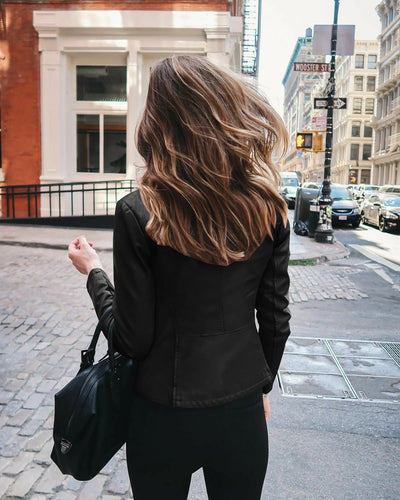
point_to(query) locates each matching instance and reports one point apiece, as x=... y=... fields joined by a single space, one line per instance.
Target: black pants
x=166 y=445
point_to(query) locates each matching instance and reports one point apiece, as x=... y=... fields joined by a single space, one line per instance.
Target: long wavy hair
x=206 y=137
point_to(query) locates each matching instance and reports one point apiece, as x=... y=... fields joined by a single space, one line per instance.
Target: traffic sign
x=322 y=102
x=311 y=67
x=318 y=122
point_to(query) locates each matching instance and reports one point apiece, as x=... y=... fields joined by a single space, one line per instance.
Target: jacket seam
x=227 y=332
x=260 y=383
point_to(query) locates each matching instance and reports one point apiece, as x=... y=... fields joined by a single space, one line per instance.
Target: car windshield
x=340 y=193
x=290 y=182
x=392 y=201
x=371 y=188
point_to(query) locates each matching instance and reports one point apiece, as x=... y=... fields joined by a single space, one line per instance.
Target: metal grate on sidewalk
x=353 y=370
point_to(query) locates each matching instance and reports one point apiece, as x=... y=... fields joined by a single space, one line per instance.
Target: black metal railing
x=63 y=199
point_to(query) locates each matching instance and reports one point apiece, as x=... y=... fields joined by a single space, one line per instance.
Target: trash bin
x=313 y=217
x=302 y=207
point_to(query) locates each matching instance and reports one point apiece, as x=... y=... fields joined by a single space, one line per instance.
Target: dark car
x=289 y=194
x=382 y=210
x=345 y=209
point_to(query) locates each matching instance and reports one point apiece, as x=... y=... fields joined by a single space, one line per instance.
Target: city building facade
x=386 y=152
x=74 y=75
x=356 y=78
x=298 y=86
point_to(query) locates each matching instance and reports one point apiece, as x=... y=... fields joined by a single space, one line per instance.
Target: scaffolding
x=251 y=34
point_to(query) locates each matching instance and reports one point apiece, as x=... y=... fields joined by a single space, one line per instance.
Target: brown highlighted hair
x=206 y=137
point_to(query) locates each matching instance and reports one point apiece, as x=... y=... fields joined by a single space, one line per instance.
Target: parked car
x=363 y=201
x=352 y=187
x=289 y=194
x=389 y=188
x=362 y=191
x=382 y=210
x=311 y=185
x=345 y=209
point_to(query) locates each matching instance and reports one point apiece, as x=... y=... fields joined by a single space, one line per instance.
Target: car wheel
x=355 y=224
x=382 y=224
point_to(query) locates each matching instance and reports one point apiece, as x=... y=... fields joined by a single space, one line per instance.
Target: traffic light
x=317 y=142
x=304 y=140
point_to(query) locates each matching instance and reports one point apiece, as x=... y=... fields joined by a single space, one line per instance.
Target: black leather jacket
x=191 y=325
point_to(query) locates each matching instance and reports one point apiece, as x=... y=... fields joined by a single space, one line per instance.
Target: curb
x=343 y=253
x=54 y=246
x=308 y=261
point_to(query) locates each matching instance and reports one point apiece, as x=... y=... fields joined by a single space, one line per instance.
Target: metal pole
x=324 y=231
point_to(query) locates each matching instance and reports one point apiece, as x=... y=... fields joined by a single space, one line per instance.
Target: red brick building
x=73 y=78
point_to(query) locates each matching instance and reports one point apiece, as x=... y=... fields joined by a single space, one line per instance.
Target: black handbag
x=92 y=412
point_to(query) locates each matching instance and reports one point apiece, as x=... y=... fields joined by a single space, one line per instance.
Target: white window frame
x=99 y=108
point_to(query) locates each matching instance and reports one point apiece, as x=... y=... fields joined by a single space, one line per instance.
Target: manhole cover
x=341 y=369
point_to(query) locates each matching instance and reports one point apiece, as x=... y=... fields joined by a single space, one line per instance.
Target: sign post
x=324 y=231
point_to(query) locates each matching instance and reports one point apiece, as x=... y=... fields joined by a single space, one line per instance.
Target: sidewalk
x=302 y=248
x=320 y=448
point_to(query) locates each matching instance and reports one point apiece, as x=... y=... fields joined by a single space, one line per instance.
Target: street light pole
x=324 y=231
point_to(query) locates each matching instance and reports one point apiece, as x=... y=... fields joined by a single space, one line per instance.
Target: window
x=354 y=149
x=357 y=105
x=358 y=83
x=371 y=61
x=88 y=140
x=101 y=107
x=101 y=143
x=367 y=131
x=355 y=129
x=369 y=106
x=366 y=151
x=359 y=61
x=371 y=83
x=101 y=83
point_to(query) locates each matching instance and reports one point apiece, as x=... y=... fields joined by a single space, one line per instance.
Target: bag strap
x=87 y=355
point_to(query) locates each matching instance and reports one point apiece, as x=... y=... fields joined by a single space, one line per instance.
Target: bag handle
x=87 y=355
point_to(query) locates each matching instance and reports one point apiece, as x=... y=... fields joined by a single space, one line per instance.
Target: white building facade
x=386 y=154
x=356 y=78
x=94 y=70
x=297 y=99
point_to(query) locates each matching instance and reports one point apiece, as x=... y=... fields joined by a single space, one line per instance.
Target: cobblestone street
x=46 y=318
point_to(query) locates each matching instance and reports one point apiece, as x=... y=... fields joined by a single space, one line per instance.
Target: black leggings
x=166 y=445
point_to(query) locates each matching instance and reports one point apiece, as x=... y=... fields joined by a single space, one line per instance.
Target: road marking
x=380 y=272
x=363 y=249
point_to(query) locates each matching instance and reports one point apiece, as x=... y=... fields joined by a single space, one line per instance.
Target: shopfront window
x=101 y=143
x=101 y=107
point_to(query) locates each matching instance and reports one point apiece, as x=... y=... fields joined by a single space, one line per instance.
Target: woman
x=198 y=248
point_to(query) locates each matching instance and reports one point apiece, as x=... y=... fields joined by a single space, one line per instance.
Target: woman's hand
x=83 y=256
x=267 y=407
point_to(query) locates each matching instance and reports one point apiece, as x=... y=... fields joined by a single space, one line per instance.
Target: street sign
x=318 y=122
x=311 y=67
x=322 y=40
x=322 y=102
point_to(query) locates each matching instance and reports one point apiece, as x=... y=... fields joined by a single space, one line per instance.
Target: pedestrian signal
x=304 y=140
x=317 y=142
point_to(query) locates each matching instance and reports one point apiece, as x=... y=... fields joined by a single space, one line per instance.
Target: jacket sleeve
x=272 y=304
x=133 y=298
